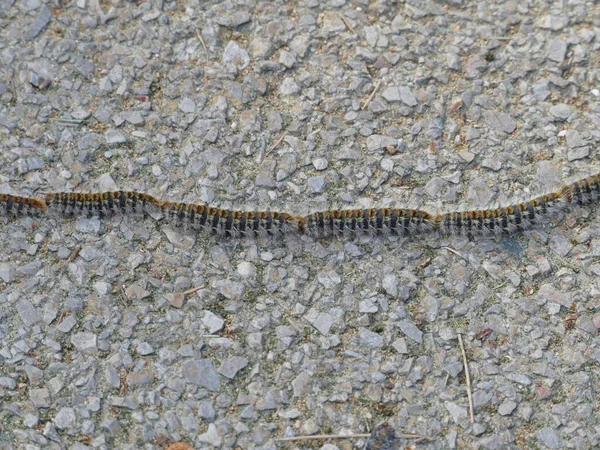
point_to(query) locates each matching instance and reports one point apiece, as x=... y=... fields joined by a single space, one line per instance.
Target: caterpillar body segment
x=101 y=204
x=14 y=205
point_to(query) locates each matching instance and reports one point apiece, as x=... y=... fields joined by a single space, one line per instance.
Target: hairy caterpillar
x=231 y=222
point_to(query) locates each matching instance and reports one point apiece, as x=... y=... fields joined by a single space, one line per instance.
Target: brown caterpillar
x=232 y=223
x=13 y=205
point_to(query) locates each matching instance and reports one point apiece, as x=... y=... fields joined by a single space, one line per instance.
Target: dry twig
x=467 y=377
x=368 y=100
x=274 y=146
x=350 y=27
x=417 y=437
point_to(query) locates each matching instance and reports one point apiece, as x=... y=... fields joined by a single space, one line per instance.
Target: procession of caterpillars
x=229 y=222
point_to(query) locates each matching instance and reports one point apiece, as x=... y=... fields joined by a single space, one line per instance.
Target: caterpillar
x=232 y=223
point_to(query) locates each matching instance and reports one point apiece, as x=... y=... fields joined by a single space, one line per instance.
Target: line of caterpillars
x=228 y=222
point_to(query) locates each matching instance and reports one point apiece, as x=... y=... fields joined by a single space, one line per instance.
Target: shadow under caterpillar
x=231 y=222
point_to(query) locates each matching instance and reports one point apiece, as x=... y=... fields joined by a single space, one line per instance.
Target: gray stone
x=213 y=322
x=400 y=93
x=560 y=244
x=302 y=385
x=40 y=397
x=573 y=154
x=201 y=372
x=550 y=438
x=67 y=324
x=507 y=407
x=411 y=331
x=390 y=285
x=376 y=142
x=28 y=313
x=236 y=55
x=561 y=111
x=65 y=418
x=41 y=22
x=317 y=184
x=7 y=272
x=89 y=225
x=232 y=290
x=322 y=322
x=554 y=23
x=113 y=136
x=84 y=342
x=246 y=269
x=458 y=413
x=574 y=138
x=557 y=50
x=500 y=121
x=8 y=383
x=144 y=349
x=231 y=366
x=211 y=436
x=370 y=339
x=320 y=163
x=289 y=87
x=187 y=105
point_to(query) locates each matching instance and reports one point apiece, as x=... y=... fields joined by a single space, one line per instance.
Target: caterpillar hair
x=338 y=222
x=13 y=205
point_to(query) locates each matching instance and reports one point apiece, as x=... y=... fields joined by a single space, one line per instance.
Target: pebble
x=7 y=272
x=500 y=121
x=370 y=339
x=65 y=418
x=231 y=366
x=557 y=50
x=317 y=184
x=84 y=342
x=550 y=438
x=411 y=331
x=289 y=87
x=28 y=313
x=236 y=55
x=458 y=413
x=211 y=436
x=377 y=142
x=201 y=372
x=400 y=94
x=213 y=322
x=561 y=111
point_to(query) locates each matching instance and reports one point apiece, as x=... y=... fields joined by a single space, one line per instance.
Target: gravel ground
x=298 y=106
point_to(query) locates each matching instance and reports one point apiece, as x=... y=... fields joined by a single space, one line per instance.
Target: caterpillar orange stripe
x=340 y=222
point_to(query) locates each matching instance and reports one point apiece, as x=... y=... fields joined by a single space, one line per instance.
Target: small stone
x=65 y=418
x=317 y=184
x=302 y=385
x=144 y=349
x=322 y=322
x=229 y=289
x=246 y=269
x=400 y=93
x=40 y=397
x=376 y=142
x=289 y=87
x=453 y=61
x=236 y=55
x=400 y=346
x=113 y=136
x=28 y=313
x=176 y=299
x=573 y=154
x=411 y=331
x=211 y=436
x=370 y=339
x=550 y=438
x=201 y=372
x=213 y=322
x=557 y=50
x=554 y=23
x=561 y=111
x=320 y=163
x=136 y=293
x=507 y=407
x=67 y=324
x=574 y=138
x=105 y=182
x=42 y=20
x=560 y=244
x=8 y=383
x=332 y=23
x=287 y=59
x=87 y=225
x=390 y=285
x=187 y=105
x=7 y=272
x=231 y=366
x=84 y=342
x=458 y=413
x=500 y=121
